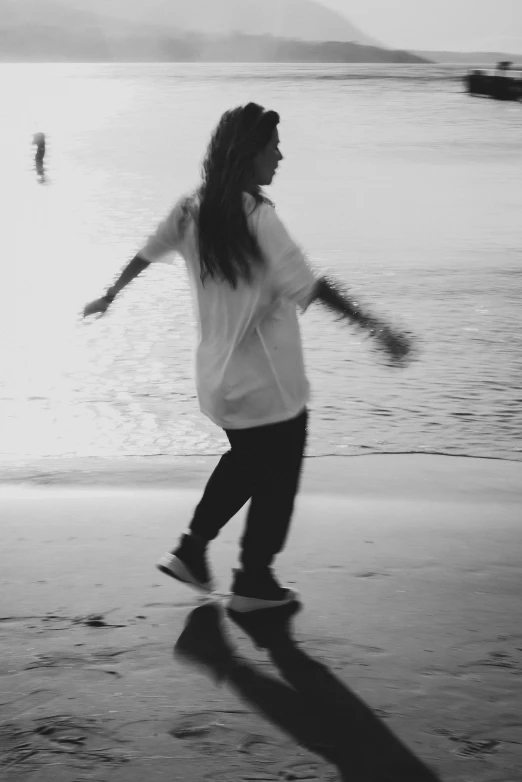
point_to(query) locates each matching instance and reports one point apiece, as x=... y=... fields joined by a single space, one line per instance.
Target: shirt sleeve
x=165 y=240
x=290 y=273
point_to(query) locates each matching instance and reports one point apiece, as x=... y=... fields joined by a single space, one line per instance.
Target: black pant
x=263 y=465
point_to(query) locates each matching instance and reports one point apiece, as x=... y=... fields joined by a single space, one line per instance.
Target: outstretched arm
x=162 y=242
x=294 y=278
x=101 y=305
x=334 y=297
x=133 y=268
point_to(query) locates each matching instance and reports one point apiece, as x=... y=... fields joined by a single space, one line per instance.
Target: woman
x=247 y=277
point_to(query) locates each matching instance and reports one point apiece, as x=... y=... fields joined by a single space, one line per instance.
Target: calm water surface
x=393 y=179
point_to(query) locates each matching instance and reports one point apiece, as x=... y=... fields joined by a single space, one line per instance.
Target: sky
x=485 y=25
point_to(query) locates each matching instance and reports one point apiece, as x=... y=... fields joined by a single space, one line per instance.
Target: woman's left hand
x=399 y=345
x=98 y=305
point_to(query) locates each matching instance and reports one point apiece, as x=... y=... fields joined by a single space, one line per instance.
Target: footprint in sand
x=100 y=662
x=310 y=772
x=497 y=659
x=216 y=734
x=204 y=740
x=510 y=637
x=369 y=649
x=201 y=726
x=257 y=745
x=477 y=749
x=302 y=771
x=7 y=620
x=22 y=704
x=93 y=620
x=370 y=574
x=80 y=743
x=470 y=748
x=57 y=622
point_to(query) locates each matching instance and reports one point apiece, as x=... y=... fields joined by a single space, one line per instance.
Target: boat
x=499 y=84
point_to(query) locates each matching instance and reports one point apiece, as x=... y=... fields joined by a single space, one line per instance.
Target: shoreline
x=437 y=476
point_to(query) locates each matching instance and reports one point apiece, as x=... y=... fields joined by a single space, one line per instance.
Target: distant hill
x=304 y=19
x=471 y=58
x=250 y=48
x=47 y=31
x=40 y=43
x=296 y=19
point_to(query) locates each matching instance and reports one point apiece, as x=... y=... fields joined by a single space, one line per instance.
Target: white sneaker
x=258 y=591
x=188 y=564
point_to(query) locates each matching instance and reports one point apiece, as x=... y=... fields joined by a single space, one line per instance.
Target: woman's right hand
x=98 y=305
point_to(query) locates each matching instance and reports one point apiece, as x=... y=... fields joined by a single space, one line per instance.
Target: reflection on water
x=393 y=178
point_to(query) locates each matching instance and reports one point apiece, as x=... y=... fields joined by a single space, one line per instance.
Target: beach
x=403 y=662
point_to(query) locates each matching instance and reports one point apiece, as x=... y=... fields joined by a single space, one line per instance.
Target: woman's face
x=266 y=161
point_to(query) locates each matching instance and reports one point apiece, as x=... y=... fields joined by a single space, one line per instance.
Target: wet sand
x=403 y=664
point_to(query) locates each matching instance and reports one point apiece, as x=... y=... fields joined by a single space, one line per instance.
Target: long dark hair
x=227 y=249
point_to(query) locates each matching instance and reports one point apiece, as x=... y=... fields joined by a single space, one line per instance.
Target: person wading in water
x=248 y=277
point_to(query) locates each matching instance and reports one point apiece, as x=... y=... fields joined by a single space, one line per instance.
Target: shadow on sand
x=315 y=708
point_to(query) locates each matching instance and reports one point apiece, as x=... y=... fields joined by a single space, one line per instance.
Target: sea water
x=393 y=179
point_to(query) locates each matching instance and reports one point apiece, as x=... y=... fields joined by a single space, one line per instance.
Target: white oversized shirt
x=249 y=358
